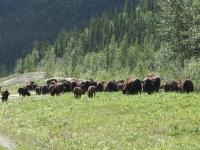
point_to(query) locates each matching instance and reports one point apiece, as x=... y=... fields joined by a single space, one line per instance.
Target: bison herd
x=149 y=85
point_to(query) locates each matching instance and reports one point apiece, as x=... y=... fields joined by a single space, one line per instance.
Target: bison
x=4 y=94
x=170 y=86
x=38 y=90
x=50 y=80
x=78 y=91
x=91 y=91
x=73 y=84
x=148 y=85
x=89 y=83
x=57 y=89
x=188 y=86
x=132 y=86
x=112 y=86
x=23 y=91
x=156 y=82
x=99 y=87
x=31 y=85
x=45 y=89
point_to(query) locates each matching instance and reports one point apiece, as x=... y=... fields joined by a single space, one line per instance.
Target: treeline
x=22 y=22
x=155 y=37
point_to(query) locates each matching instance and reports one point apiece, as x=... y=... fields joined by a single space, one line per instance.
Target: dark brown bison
x=78 y=91
x=31 y=85
x=4 y=94
x=23 y=91
x=132 y=86
x=112 y=86
x=91 y=91
x=188 y=86
x=45 y=89
x=73 y=84
x=38 y=90
x=99 y=87
x=156 y=82
x=57 y=89
x=170 y=86
x=66 y=85
x=50 y=80
x=148 y=85
x=89 y=82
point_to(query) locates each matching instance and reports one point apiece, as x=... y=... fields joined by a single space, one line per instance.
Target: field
x=108 y=121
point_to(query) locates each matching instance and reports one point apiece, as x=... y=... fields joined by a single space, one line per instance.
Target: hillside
x=23 y=22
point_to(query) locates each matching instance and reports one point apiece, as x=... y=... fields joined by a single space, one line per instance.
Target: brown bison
x=170 y=86
x=31 y=85
x=112 y=86
x=45 y=89
x=91 y=91
x=156 y=82
x=66 y=85
x=99 y=87
x=57 y=89
x=78 y=91
x=105 y=87
x=132 y=86
x=23 y=91
x=89 y=83
x=120 y=85
x=73 y=84
x=148 y=85
x=50 y=80
x=38 y=90
x=4 y=94
x=188 y=86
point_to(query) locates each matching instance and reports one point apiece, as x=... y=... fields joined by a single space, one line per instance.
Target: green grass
x=109 y=121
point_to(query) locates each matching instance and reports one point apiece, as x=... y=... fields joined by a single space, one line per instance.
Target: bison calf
x=91 y=91
x=78 y=91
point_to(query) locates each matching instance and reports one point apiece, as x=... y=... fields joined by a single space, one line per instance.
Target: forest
x=22 y=22
x=154 y=37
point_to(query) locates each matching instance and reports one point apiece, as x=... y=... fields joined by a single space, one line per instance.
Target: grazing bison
x=156 y=82
x=57 y=89
x=78 y=91
x=23 y=91
x=148 y=85
x=66 y=85
x=38 y=90
x=4 y=94
x=50 y=80
x=170 y=86
x=188 y=86
x=99 y=87
x=91 y=91
x=31 y=85
x=73 y=84
x=112 y=86
x=89 y=82
x=132 y=86
x=120 y=85
x=45 y=89
x=105 y=87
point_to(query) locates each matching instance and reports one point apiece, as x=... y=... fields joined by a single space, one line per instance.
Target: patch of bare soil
x=7 y=143
x=20 y=78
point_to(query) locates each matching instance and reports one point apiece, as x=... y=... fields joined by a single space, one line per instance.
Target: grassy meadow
x=108 y=121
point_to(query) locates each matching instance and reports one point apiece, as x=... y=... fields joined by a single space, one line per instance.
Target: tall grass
x=108 y=121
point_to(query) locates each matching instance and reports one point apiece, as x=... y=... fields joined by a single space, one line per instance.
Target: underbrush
x=108 y=121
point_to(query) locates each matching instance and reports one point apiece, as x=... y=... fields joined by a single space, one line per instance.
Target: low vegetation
x=108 y=121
